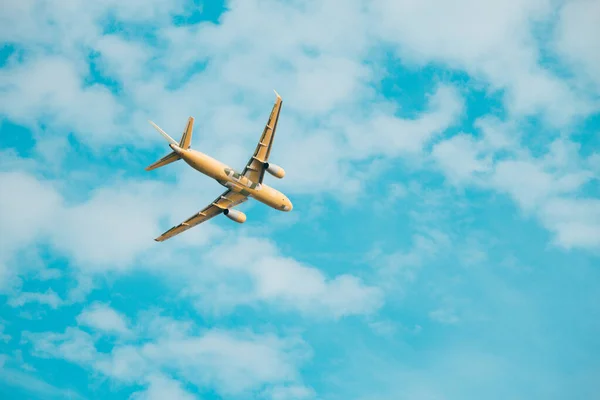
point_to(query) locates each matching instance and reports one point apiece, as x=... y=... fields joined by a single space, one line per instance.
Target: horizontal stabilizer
x=164 y=134
x=168 y=159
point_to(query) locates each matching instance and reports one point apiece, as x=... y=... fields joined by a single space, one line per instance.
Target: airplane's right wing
x=255 y=170
x=227 y=200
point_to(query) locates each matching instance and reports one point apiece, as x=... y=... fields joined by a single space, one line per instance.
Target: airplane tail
x=186 y=138
x=184 y=144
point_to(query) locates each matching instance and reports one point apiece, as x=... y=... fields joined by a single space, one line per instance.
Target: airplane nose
x=287 y=205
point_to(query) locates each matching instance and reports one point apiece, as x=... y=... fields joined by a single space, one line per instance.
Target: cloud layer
x=442 y=159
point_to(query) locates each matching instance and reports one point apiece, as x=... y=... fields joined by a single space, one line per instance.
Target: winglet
x=277 y=94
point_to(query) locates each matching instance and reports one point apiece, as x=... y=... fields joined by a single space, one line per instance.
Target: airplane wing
x=229 y=199
x=255 y=170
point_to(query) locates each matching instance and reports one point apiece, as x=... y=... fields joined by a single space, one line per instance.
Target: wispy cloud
x=103 y=318
x=544 y=186
x=28 y=383
x=406 y=128
x=49 y=298
x=162 y=387
x=232 y=362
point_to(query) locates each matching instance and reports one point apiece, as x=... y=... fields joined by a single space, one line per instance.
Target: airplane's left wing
x=255 y=170
x=227 y=200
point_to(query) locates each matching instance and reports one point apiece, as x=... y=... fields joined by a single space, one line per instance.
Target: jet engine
x=275 y=170
x=235 y=215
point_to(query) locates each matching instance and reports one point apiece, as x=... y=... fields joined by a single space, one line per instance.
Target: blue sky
x=443 y=162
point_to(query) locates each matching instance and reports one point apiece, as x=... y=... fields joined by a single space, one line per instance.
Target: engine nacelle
x=275 y=170
x=235 y=215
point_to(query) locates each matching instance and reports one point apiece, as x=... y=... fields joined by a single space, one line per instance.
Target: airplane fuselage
x=232 y=180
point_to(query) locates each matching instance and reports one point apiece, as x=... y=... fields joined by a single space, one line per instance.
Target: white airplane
x=240 y=186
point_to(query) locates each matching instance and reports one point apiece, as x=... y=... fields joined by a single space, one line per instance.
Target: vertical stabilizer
x=186 y=138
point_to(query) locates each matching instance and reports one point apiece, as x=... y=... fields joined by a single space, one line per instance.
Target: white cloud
x=161 y=387
x=313 y=54
x=383 y=134
x=3 y=336
x=530 y=184
x=76 y=23
x=492 y=41
x=231 y=362
x=284 y=30
x=285 y=60
x=26 y=214
x=577 y=37
x=280 y=280
x=290 y=393
x=63 y=102
x=114 y=226
x=26 y=209
x=397 y=268
x=49 y=274
x=144 y=10
x=32 y=384
x=548 y=186
x=34 y=211
x=49 y=298
x=288 y=46
x=103 y=318
x=73 y=345
x=123 y=58
x=112 y=230
x=444 y=316
x=458 y=157
x=106 y=230
x=275 y=41
x=576 y=221
x=384 y=328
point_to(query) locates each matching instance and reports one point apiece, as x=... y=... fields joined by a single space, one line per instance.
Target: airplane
x=240 y=186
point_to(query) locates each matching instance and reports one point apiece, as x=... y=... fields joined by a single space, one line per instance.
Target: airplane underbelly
x=209 y=169
x=236 y=187
x=269 y=197
x=261 y=193
x=260 y=197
